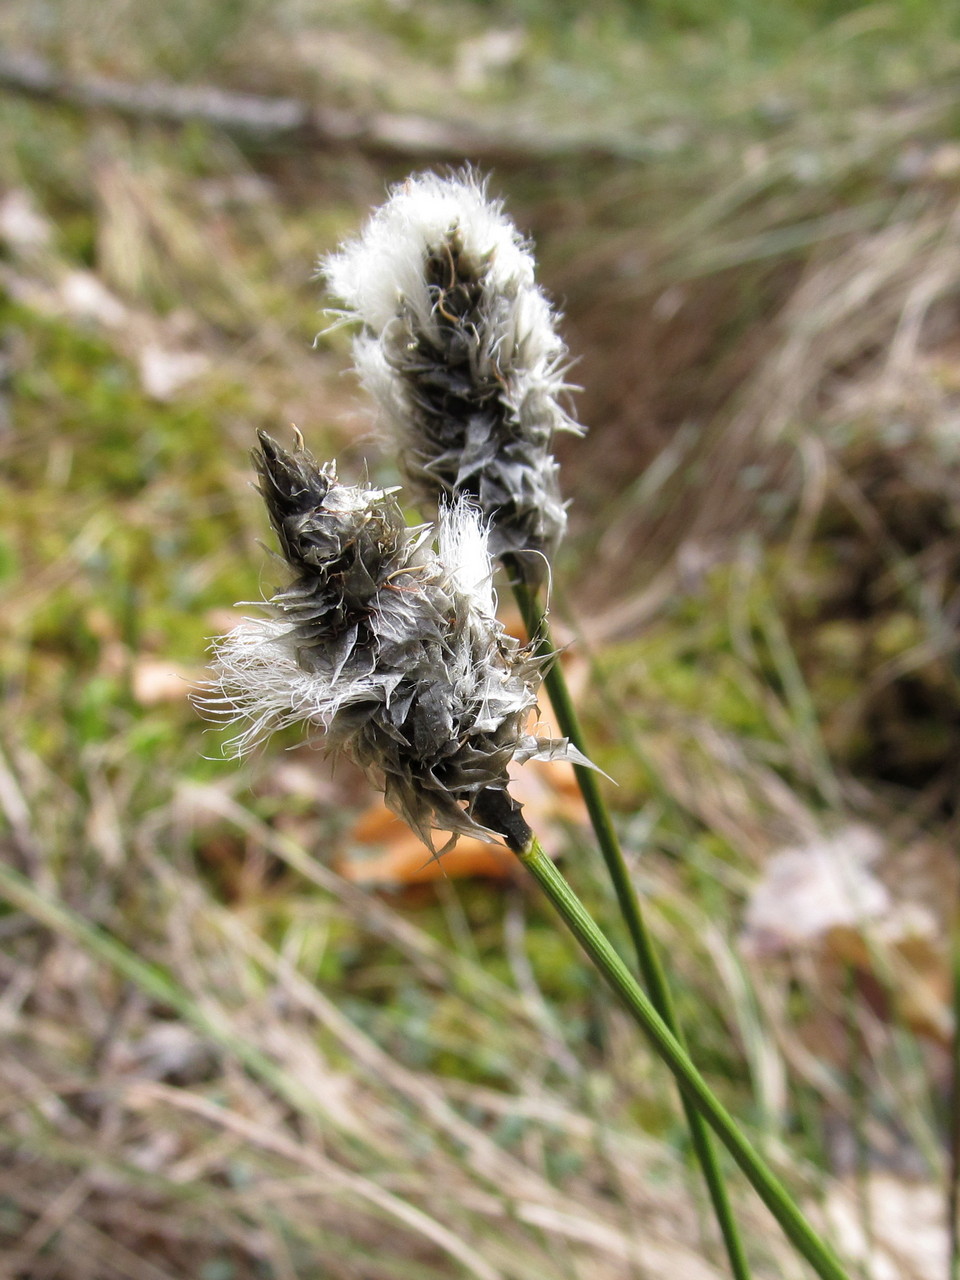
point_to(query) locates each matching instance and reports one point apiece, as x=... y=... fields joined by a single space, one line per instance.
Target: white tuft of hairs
x=261 y=685
x=463 y=551
x=383 y=267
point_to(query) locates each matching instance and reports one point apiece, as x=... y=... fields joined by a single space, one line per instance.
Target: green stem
x=771 y=1191
x=647 y=959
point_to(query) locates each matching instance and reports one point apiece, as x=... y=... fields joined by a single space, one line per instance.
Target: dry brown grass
x=225 y=1061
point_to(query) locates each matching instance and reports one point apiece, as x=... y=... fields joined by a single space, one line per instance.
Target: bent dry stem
x=650 y=968
x=500 y=813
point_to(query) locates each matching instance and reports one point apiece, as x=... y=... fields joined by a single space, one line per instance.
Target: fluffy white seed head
x=388 y=649
x=460 y=350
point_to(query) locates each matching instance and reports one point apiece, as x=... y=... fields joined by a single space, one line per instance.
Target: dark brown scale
x=447 y=389
x=465 y=423
x=338 y=574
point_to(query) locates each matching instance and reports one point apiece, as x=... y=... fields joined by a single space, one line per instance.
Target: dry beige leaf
x=807 y=891
x=164 y=373
x=23 y=229
x=827 y=900
x=156 y=680
x=906 y=1221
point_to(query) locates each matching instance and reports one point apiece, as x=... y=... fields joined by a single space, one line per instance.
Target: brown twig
x=281 y=122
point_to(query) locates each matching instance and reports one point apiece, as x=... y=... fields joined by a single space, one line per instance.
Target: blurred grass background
x=222 y=1058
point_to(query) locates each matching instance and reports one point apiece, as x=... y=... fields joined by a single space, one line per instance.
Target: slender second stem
x=649 y=964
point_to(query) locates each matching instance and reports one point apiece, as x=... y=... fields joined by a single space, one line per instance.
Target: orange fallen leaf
x=405 y=860
x=550 y=798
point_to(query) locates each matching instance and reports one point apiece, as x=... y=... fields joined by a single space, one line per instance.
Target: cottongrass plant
x=429 y=696
x=390 y=647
